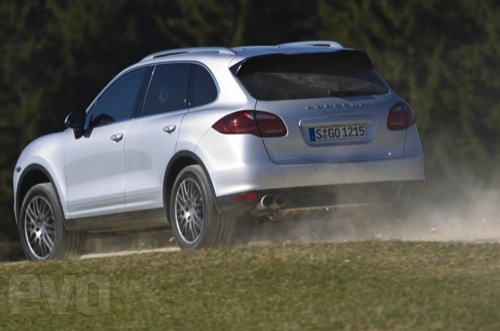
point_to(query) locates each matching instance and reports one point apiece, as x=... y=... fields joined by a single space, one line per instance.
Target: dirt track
x=476 y=221
x=437 y=226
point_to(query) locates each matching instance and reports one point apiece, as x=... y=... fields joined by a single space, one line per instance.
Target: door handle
x=117 y=137
x=169 y=128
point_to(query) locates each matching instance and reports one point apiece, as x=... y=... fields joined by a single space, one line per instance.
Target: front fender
x=42 y=160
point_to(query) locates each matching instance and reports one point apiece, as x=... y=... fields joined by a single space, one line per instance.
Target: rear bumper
x=283 y=201
x=270 y=176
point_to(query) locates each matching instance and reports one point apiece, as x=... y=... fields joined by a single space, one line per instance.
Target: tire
x=196 y=222
x=41 y=227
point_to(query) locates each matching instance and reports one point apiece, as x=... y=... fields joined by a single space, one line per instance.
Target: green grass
x=346 y=286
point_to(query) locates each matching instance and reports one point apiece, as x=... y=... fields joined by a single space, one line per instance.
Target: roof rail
x=220 y=50
x=314 y=43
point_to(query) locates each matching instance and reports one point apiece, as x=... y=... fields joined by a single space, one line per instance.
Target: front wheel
x=41 y=227
x=196 y=222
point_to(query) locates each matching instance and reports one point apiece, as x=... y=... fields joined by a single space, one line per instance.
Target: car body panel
x=150 y=143
x=233 y=172
x=44 y=154
x=95 y=172
x=300 y=116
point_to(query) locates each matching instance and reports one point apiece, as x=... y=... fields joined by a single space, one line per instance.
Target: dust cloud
x=131 y=242
x=471 y=218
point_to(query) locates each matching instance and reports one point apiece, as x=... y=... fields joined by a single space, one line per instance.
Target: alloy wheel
x=189 y=210
x=39 y=227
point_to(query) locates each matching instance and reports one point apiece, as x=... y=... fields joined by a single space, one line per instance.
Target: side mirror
x=76 y=121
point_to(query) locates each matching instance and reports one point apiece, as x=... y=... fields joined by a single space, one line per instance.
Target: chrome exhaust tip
x=265 y=202
x=280 y=201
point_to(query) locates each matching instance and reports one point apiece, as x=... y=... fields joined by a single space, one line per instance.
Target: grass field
x=345 y=286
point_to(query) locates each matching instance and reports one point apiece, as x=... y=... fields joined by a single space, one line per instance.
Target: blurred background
x=443 y=56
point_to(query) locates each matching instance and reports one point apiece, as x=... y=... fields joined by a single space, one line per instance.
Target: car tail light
x=401 y=116
x=258 y=123
x=244 y=197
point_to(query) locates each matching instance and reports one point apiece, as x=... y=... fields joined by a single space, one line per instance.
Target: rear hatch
x=334 y=105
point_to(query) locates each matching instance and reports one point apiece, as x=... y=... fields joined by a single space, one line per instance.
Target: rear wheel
x=41 y=227
x=196 y=222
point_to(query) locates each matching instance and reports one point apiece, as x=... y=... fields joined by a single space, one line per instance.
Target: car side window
x=203 y=89
x=168 y=89
x=118 y=101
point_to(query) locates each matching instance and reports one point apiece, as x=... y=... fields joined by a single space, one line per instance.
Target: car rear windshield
x=287 y=77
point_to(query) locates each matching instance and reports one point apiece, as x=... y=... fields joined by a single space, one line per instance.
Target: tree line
x=443 y=56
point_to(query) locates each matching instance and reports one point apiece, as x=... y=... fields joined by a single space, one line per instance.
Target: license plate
x=337 y=132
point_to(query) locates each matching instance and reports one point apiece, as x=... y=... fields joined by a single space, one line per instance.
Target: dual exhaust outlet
x=269 y=204
x=272 y=202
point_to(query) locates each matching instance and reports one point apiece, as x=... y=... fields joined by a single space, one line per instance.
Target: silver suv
x=199 y=138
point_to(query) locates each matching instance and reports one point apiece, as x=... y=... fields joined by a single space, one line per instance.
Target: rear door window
x=306 y=76
x=168 y=89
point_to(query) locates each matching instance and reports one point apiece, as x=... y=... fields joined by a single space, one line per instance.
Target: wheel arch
x=33 y=174
x=180 y=160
